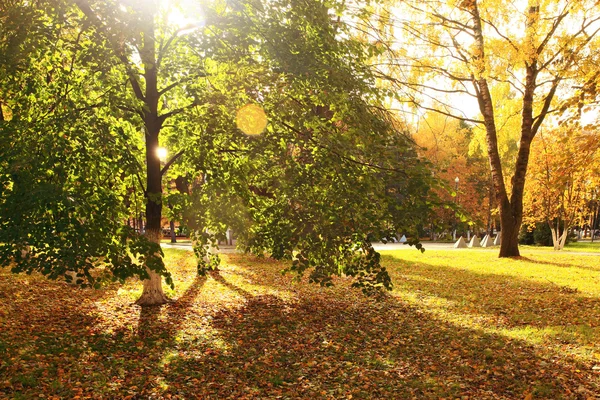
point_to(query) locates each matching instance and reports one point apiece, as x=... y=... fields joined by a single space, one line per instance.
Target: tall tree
x=64 y=160
x=331 y=170
x=467 y=47
x=163 y=75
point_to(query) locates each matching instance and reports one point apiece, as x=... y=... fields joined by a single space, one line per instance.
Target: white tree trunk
x=153 y=294
x=559 y=241
x=563 y=239
x=555 y=239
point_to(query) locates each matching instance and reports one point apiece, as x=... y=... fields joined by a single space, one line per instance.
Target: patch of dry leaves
x=249 y=332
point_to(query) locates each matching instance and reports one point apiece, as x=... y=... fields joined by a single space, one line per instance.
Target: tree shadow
x=157 y=322
x=332 y=347
x=556 y=264
x=511 y=301
x=41 y=325
x=64 y=329
x=216 y=275
x=34 y=302
x=321 y=343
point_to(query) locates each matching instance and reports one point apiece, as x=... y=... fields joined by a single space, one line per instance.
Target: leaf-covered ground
x=460 y=324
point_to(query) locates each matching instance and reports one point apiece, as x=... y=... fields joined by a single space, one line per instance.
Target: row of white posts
x=485 y=242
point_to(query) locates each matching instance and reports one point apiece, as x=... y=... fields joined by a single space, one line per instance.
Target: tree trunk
x=563 y=239
x=173 y=235
x=511 y=209
x=488 y=230
x=510 y=224
x=555 y=240
x=152 y=293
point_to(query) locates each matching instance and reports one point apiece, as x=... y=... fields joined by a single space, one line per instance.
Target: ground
x=459 y=324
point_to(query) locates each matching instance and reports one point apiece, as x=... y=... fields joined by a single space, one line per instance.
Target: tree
x=445 y=142
x=535 y=47
x=564 y=164
x=294 y=186
x=330 y=172
x=65 y=161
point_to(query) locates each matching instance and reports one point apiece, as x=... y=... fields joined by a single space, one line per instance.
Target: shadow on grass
x=53 y=339
x=512 y=301
x=331 y=343
x=160 y=322
x=327 y=343
x=332 y=347
x=553 y=263
x=216 y=275
x=42 y=324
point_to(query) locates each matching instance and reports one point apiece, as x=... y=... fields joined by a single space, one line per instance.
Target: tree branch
x=339 y=155
x=117 y=48
x=537 y=121
x=163 y=117
x=170 y=162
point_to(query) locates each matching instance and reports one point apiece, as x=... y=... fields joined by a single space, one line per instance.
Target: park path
x=227 y=249
x=377 y=246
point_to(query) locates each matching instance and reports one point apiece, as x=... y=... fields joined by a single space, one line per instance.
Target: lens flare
x=251 y=119
x=162 y=153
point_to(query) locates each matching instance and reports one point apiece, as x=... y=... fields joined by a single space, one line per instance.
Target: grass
x=544 y=299
x=179 y=240
x=458 y=324
x=577 y=247
x=584 y=246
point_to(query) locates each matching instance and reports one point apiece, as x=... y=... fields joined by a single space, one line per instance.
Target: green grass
x=579 y=247
x=459 y=323
x=584 y=246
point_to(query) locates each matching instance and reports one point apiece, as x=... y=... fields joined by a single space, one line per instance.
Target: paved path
x=402 y=246
x=188 y=246
x=379 y=247
x=376 y=246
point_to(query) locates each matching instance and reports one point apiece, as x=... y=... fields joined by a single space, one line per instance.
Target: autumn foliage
x=561 y=180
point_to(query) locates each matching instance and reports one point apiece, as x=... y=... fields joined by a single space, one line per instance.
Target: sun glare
x=251 y=119
x=162 y=153
x=184 y=15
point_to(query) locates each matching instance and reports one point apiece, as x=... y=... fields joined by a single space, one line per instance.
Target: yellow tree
x=564 y=164
x=445 y=141
x=462 y=49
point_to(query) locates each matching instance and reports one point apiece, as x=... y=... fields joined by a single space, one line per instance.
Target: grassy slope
x=459 y=323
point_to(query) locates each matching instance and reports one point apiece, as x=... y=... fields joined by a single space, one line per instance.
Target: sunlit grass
x=547 y=299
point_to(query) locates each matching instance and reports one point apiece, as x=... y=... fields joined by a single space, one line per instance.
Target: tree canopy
x=105 y=84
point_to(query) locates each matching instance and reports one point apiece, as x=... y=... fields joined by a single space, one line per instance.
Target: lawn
x=459 y=324
x=584 y=246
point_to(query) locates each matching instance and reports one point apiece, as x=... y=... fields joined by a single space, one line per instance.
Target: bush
x=525 y=235
x=542 y=235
